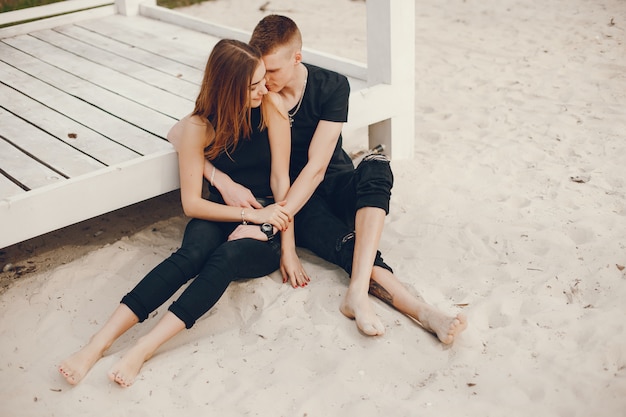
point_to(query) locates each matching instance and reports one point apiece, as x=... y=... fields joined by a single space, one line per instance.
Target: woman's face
x=257 y=88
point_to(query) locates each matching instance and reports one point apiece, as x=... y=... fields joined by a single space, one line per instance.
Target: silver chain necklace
x=299 y=101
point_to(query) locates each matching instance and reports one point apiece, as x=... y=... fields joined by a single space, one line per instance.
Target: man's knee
x=374 y=182
x=375 y=167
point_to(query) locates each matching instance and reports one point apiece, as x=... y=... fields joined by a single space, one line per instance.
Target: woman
x=248 y=141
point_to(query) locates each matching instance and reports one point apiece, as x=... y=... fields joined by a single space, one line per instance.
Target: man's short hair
x=275 y=31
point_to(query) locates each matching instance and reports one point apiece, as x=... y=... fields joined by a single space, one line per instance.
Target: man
x=340 y=209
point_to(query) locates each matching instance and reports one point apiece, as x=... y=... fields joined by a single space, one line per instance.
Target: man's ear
x=298 y=57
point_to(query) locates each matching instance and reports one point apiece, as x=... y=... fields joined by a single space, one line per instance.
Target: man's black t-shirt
x=325 y=98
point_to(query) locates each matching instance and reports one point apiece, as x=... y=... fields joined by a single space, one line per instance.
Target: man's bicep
x=324 y=142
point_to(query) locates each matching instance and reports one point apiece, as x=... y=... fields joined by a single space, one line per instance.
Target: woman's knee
x=200 y=240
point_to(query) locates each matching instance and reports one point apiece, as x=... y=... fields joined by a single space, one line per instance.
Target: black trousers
x=325 y=225
x=215 y=262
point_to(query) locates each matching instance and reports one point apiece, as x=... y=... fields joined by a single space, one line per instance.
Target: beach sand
x=512 y=211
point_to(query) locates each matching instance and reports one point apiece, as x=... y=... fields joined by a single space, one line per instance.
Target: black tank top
x=249 y=164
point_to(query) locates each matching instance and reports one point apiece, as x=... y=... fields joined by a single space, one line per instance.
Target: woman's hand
x=234 y=194
x=248 y=230
x=239 y=196
x=275 y=214
x=292 y=270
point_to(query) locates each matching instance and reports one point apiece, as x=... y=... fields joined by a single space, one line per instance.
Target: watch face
x=267 y=228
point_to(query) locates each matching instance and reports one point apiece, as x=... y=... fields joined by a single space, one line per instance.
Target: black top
x=249 y=164
x=325 y=98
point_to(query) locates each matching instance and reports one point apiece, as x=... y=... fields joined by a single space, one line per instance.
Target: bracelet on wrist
x=212 y=180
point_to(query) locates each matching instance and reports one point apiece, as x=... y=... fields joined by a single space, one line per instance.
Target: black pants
x=325 y=225
x=205 y=254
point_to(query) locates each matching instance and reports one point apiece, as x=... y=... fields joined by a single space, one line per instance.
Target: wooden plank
x=177 y=43
x=114 y=128
x=137 y=71
x=104 y=102
x=8 y=188
x=21 y=29
x=42 y=146
x=193 y=24
x=49 y=208
x=65 y=129
x=137 y=54
x=25 y=169
x=120 y=84
x=46 y=10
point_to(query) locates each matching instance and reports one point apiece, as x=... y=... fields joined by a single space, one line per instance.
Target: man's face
x=280 y=68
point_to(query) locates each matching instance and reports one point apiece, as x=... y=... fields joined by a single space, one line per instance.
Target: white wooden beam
x=131 y=7
x=54 y=9
x=60 y=20
x=391 y=60
x=42 y=210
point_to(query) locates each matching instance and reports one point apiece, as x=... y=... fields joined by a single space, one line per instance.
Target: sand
x=513 y=211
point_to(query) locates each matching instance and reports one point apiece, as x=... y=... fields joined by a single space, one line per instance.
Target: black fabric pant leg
x=373 y=183
x=369 y=185
x=200 y=240
x=322 y=232
x=237 y=259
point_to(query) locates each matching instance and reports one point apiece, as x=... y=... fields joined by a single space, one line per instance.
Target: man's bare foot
x=76 y=366
x=361 y=310
x=445 y=327
x=126 y=369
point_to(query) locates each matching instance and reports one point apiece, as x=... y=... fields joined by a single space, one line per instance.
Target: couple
x=278 y=164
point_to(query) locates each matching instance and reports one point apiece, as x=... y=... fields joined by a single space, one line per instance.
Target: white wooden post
x=131 y=7
x=391 y=60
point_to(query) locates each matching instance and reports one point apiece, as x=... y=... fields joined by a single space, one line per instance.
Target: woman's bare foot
x=360 y=309
x=126 y=369
x=76 y=366
x=445 y=327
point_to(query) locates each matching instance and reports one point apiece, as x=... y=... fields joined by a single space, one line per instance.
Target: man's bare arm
x=320 y=152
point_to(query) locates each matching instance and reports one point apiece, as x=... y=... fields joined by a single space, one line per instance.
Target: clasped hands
x=239 y=196
x=274 y=214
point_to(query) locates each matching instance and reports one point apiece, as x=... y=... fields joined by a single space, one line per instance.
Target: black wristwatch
x=268 y=229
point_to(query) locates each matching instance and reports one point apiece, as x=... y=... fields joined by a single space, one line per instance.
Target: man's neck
x=292 y=92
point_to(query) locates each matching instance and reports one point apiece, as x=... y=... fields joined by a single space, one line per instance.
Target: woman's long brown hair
x=224 y=98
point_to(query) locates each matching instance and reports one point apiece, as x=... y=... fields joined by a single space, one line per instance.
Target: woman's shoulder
x=194 y=121
x=273 y=100
x=193 y=128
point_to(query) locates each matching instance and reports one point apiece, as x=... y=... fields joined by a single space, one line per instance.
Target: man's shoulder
x=327 y=82
x=325 y=74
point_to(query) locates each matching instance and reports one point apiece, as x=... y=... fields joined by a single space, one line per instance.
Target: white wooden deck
x=87 y=100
